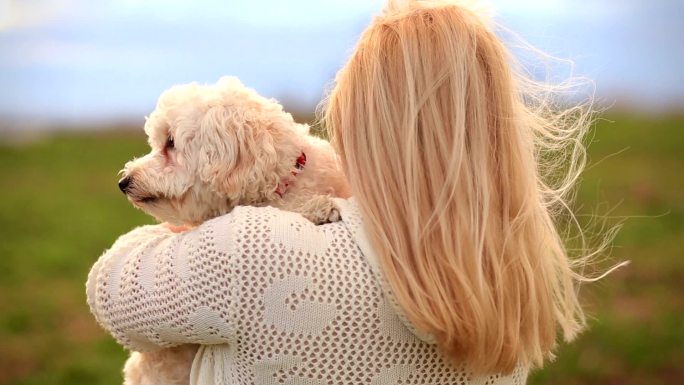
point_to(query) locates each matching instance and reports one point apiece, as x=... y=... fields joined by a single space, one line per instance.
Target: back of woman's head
x=448 y=161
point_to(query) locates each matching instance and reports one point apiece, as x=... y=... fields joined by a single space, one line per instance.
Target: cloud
x=50 y=54
x=22 y=14
x=565 y=9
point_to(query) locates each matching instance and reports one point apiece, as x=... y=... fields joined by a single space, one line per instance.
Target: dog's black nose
x=123 y=184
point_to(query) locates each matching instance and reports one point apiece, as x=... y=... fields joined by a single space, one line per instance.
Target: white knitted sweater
x=273 y=299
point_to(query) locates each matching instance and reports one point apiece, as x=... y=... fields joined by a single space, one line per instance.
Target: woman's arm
x=154 y=288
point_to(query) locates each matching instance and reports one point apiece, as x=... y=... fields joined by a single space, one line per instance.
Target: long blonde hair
x=461 y=174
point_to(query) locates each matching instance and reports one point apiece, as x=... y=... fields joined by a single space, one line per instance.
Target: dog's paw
x=320 y=209
x=334 y=214
x=328 y=215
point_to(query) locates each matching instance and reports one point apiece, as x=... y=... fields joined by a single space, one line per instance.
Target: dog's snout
x=124 y=183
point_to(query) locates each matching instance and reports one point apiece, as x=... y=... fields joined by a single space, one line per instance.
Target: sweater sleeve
x=155 y=289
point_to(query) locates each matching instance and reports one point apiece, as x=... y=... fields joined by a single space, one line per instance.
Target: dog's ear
x=237 y=155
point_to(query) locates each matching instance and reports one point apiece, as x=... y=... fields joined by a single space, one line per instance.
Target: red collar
x=287 y=181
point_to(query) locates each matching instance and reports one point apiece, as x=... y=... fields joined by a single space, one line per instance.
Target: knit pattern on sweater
x=273 y=298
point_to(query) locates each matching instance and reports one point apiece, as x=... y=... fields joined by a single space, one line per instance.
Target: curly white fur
x=215 y=147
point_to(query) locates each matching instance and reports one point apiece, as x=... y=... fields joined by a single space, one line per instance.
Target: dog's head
x=212 y=147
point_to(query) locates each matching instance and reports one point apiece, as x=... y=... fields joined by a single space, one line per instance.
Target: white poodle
x=215 y=147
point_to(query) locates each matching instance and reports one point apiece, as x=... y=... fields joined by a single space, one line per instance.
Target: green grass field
x=60 y=209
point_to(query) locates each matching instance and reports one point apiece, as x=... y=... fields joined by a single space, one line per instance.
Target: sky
x=82 y=62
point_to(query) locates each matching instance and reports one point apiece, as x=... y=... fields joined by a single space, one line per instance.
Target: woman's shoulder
x=247 y=225
x=353 y=219
x=257 y=217
x=279 y=240
x=265 y=224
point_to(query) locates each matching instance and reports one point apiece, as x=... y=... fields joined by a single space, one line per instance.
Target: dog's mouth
x=142 y=200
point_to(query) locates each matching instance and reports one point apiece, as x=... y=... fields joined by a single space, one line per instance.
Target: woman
x=446 y=267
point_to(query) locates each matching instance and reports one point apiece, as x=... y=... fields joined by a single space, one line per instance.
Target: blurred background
x=77 y=78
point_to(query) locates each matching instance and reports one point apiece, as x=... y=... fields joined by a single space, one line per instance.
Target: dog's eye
x=169 y=143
